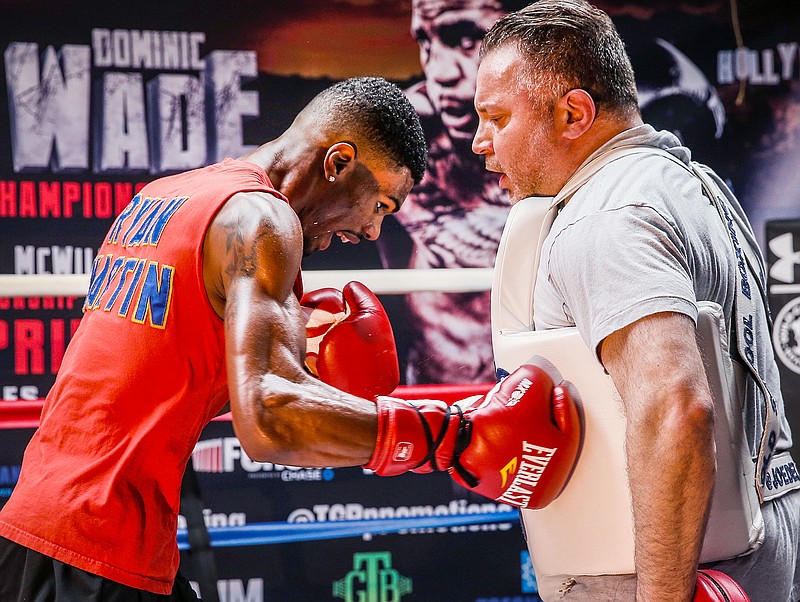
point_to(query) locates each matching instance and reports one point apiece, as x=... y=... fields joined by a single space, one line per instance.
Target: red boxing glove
x=350 y=343
x=713 y=586
x=517 y=444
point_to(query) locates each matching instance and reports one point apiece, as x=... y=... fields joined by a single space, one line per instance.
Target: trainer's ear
x=340 y=156
x=575 y=112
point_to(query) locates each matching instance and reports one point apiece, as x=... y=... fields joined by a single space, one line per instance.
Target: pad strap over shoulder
x=750 y=290
x=750 y=275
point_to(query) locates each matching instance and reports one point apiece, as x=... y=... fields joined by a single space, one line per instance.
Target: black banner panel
x=783 y=284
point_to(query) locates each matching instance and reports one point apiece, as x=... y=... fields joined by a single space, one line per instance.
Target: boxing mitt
x=349 y=341
x=518 y=444
x=714 y=586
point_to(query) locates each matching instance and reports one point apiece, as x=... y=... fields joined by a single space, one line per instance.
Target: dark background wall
x=81 y=130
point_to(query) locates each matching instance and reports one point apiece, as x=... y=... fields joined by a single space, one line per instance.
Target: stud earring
x=331 y=178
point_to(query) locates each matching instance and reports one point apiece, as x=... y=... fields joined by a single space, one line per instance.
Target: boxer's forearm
x=305 y=422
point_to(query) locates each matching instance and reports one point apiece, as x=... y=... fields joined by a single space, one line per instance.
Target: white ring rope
x=381 y=282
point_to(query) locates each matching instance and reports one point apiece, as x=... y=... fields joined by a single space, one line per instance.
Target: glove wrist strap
x=463 y=439
x=423 y=437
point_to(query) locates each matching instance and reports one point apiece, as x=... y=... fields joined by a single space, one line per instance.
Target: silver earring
x=331 y=178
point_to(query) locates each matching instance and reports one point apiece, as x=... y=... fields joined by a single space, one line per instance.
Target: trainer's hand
x=714 y=586
x=350 y=344
x=517 y=444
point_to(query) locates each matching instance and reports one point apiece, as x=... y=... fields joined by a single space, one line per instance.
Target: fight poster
x=100 y=98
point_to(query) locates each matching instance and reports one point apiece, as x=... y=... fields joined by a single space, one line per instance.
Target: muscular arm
x=657 y=369
x=280 y=413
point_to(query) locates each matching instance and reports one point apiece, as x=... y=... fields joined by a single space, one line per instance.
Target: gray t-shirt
x=640 y=238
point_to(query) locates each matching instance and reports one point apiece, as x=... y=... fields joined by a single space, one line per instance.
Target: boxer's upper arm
x=255 y=248
x=254 y=235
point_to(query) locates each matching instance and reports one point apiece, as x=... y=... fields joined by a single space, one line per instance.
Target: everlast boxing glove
x=350 y=344
x=517 y=444
x=713 y=586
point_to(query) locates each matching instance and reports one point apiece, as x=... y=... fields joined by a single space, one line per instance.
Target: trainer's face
x=356 y=204
x=515 y=134
x=449 y=33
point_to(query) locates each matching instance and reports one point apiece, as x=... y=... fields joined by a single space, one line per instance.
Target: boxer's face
x=449 y=34
x=355 y=205
x=515 y=133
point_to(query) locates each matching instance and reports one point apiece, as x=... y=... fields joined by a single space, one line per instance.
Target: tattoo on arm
x=241 y=255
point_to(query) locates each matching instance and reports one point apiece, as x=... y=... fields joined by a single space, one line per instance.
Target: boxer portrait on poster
x=455 y=216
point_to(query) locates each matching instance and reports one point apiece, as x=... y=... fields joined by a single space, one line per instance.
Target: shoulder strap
x=750 y=282
x=745 y=310
x=750 y=279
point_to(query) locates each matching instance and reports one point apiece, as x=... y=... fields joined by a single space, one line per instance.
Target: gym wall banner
x=100 y=98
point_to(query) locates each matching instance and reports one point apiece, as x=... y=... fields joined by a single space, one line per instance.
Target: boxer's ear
x=339 y=157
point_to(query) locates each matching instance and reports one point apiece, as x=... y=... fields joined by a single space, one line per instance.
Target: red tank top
x=100 y=482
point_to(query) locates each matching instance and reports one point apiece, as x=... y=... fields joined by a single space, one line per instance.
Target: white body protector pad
x=588 y=529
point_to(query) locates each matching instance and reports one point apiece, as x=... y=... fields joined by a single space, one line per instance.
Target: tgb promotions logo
x=372 y=580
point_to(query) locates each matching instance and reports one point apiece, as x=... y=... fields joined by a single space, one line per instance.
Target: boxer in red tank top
x=194 y=296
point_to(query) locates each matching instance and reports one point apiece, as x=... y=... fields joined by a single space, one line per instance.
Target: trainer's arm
x=657 y=369
x=280 y=413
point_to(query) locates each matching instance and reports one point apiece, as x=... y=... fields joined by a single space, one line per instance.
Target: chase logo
x=372 y=580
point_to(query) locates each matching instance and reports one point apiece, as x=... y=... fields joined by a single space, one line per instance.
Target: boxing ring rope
x=277 y=532
x=381 y=282
x=25 y=414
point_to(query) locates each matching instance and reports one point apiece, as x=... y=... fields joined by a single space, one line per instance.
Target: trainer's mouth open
x=491 y=166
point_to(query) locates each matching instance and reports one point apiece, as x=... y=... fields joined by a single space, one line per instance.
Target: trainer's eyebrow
x=483 y=106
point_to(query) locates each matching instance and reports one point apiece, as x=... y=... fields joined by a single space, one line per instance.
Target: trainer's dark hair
x=378 y=111
x=573 y=45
